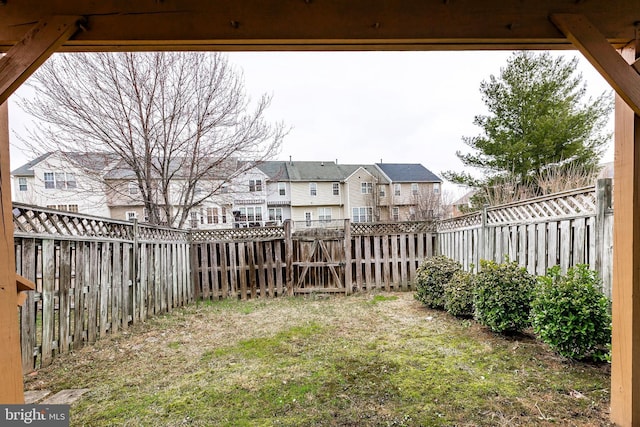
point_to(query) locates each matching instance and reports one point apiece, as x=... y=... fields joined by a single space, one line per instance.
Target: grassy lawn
x=363 y=360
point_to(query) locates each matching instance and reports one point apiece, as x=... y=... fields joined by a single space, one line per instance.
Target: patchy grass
x=363 y=360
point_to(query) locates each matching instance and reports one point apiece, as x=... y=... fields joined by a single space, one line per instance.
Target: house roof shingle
x=407 y=172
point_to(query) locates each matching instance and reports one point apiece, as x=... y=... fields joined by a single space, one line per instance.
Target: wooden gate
x=319 y=262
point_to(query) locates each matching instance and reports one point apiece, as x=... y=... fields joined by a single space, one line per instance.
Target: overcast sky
x=367 y=107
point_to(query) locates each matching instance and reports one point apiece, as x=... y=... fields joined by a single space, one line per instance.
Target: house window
x=308 y=218
x=22 y=184
x=212 y=216
x=383 y=190
x=396 y=189
x=366 y=187
x=251 y=215
x=133 y=188
x=131 y=215
x=324 y=214
x=362 y=214
x=224 y=215
x=255 y=185
x=275 y=214
x=49 y=181
x=59 y=180
x=412 y=214
x=145 y=214
x=336 y=188
x=194 y=219
x=282 y=189
x=414 y=188
x=313 y=189
x=67 y=208
x=395 y=214
x=436 y=188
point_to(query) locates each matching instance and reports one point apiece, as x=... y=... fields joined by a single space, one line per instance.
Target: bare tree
x=431 y=205
x=179 y=124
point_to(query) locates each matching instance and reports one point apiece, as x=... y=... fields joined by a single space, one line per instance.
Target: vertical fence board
x=64 y=288
x=48 y=303
x=28 y=310
x=377 y=256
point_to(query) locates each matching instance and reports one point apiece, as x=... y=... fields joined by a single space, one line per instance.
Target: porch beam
x=622 y=76
x=33 y=49
x=625 y=351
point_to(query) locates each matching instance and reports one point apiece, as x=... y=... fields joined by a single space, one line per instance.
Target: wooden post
x=288 y=257
x=11 y=386
x=625 y=351
x=603 y=207
x=347 y=256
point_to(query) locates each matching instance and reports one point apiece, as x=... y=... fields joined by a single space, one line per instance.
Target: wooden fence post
x=288 y=255
x=603 y=208
x=347 y=256
x=135 y=268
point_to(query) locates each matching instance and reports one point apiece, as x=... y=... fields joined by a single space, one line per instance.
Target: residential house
x=65 y=181
x=278 y=191
x=310 y=193
x=409 y=192
x=316 y=191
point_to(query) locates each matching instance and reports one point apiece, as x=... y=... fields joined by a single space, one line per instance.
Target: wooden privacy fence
x=295 y=259
x=566 y=229
x=93 y=276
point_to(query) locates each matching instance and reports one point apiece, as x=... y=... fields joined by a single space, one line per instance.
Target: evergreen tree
x=538 y=119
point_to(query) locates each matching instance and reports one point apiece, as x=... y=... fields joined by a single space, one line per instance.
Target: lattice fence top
x=166 y=234
x=567 y=204
x=36 y=220
x=235 y=234
x=381 y=228
x=459 y=222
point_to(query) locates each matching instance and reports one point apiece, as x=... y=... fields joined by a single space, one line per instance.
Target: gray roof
x=275 y=170
x=27 y=168
x=349 y=169
x=407 y=172
x=95 y=161
x=314 y=171
x=179 y=168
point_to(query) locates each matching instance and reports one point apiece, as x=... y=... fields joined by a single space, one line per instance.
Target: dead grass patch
x=360 y=360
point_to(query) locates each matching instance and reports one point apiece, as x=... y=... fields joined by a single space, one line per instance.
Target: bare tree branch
x=179 y=124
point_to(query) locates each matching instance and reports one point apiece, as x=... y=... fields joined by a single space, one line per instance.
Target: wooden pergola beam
x=617 y=70
x=15 y=67
x=32 y=50
x=623 y=77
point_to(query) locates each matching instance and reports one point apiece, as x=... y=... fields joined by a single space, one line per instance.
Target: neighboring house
x=412 y=193
x=52 y=181
x=278 y=191
x=307 y=192
x=462 y=206
x=317 y=192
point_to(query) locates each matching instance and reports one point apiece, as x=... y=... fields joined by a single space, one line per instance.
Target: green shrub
x=502 y=296
x=571 y=315
x=458 y=294
x=431 y=277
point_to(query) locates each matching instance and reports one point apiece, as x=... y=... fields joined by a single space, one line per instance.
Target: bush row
x=567 y=312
